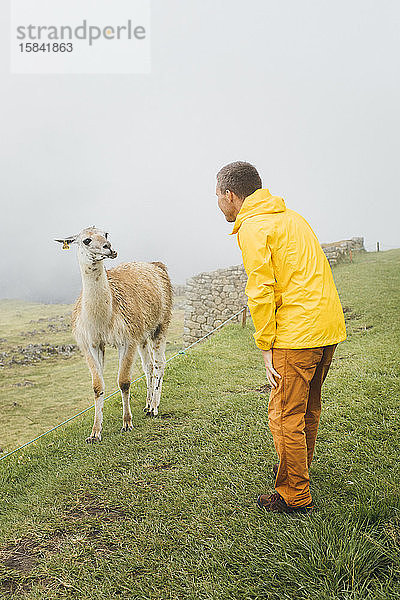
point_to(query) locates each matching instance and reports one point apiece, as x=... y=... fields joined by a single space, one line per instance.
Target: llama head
x=93 y=245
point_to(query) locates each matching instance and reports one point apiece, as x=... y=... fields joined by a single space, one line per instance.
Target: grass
x=168 y=511
x=17 y=318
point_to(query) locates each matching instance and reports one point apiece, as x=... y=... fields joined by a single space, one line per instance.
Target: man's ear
x=229 y=195
x=67 y=241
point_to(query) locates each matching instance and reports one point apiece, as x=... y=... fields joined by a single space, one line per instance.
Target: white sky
x=307 y=90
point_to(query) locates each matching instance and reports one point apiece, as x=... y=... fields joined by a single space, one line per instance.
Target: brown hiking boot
x=275 y=503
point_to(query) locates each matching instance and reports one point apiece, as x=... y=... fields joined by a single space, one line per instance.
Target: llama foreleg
x=126 y=358
x=147 y=364
x=95 y=360
x=158 y=372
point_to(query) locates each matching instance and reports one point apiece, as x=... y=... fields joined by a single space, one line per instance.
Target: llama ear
x=67 y=241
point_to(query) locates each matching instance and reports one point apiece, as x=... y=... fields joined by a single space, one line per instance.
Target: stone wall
x=213 y=297
x=340 y=251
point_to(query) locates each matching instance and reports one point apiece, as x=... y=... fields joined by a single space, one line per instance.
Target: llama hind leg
x=95 y=360
x=126 y=358
x=145 y=352
x=158 y=371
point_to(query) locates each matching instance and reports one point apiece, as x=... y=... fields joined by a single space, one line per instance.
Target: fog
x=307 y=91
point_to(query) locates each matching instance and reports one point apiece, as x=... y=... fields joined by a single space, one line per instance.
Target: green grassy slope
x=168 y=511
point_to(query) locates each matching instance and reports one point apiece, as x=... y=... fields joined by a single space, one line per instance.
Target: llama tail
x=160 y=265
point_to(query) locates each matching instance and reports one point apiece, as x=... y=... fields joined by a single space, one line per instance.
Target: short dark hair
x=239 y=177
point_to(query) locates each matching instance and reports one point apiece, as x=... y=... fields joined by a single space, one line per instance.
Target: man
x=298 y=320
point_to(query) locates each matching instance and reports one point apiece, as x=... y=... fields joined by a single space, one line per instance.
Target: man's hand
x=271 y=373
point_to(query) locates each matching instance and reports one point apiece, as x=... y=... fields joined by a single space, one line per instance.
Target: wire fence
x=380 y=246
x=369 y=248
x=180 y=353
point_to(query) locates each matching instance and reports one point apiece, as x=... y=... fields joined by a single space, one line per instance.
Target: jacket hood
x=259 y=203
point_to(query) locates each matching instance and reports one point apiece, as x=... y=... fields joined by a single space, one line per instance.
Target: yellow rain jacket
x=291 y=294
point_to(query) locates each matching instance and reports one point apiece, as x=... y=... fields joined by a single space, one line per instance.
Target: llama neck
x=96 y=292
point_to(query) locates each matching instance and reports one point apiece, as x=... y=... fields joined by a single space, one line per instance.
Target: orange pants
x=293 y=413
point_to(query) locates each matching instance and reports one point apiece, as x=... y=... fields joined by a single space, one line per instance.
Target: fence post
x=351 y=255
x=377 y=246
x=244 y=316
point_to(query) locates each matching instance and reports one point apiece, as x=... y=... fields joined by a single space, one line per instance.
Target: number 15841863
x=46 y=47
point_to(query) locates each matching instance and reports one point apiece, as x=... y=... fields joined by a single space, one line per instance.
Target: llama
x=128 y=307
